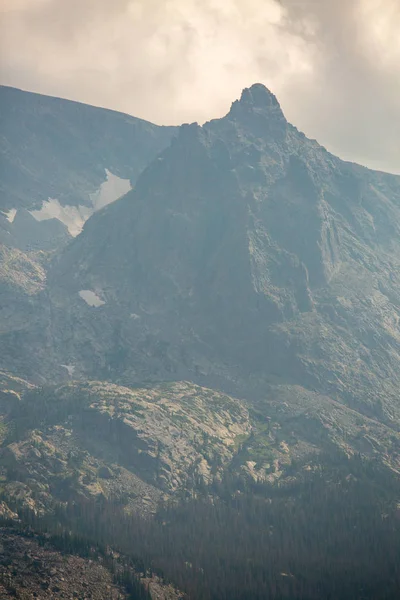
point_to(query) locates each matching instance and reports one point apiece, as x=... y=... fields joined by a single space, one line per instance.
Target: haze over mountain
x=234 y=316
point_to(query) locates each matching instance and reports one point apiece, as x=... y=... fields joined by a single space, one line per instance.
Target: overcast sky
x=334 y=64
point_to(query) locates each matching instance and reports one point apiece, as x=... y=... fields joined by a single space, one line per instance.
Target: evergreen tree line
x=332 y=535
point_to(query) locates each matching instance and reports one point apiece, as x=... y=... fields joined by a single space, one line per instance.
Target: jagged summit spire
x=258 y=102
x=258 y=95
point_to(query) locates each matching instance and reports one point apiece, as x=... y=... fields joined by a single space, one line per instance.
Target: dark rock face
x=247 y=254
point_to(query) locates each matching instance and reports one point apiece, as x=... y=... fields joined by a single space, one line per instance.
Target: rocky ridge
x=62 y=160
x=60 y=149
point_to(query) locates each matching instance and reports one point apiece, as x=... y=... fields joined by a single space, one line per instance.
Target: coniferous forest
x=335 y=534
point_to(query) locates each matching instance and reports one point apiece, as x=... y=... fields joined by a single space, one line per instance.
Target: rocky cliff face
x=247 y=255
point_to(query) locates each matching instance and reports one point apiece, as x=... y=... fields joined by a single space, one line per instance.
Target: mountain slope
x=248 y=260
x=60 y=149
x=62 y=160
x=247 y=255
x=96 y=440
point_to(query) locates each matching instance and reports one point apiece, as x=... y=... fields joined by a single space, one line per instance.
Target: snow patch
x=112 y=189
x=10 y=214
x=70 y=369
x=91 y=298
x=74 y=217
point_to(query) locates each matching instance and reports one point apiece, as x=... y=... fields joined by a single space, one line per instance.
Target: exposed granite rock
x=141 y=445
x=20 y=273
x=98 y=439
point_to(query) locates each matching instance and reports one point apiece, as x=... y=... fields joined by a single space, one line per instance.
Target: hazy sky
x=334 y=64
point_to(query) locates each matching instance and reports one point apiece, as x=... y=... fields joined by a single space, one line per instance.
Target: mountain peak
x=260 y=110
x=259 y=96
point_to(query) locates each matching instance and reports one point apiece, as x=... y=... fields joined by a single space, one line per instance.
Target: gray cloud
x=352 y=100
x=335 y=66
